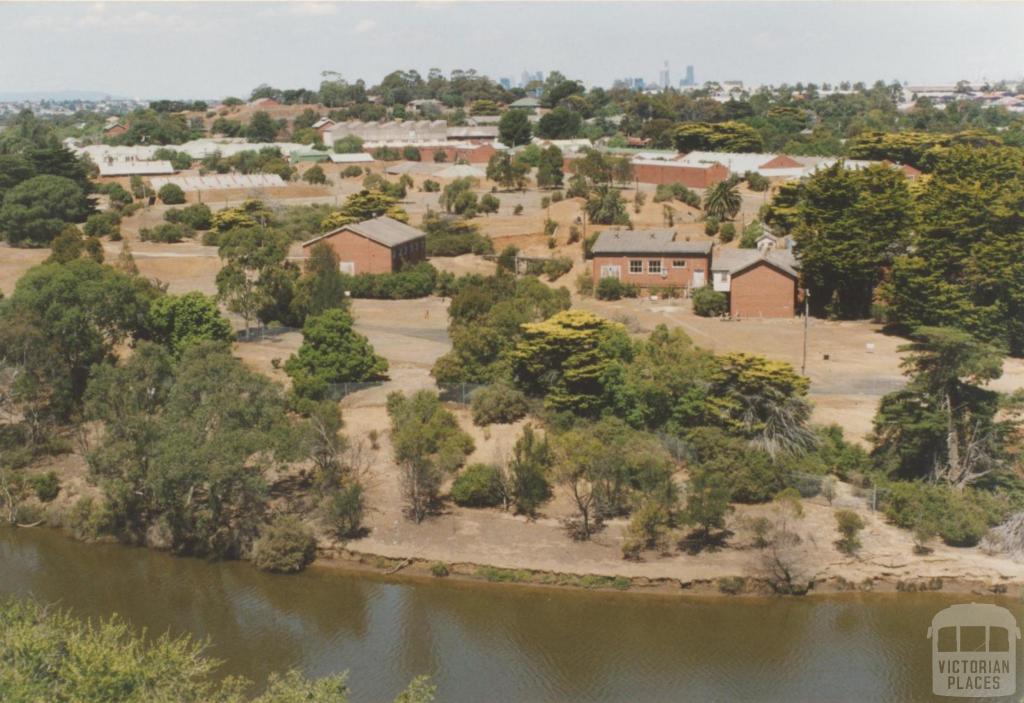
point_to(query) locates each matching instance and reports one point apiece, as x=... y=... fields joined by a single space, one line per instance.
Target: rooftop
x=736 y=260
x=646 y=241
x=383 y=230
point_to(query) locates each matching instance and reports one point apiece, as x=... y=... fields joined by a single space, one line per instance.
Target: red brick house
x=651 y=259
x=115 y=129
x=380 y=245
x=759 y=283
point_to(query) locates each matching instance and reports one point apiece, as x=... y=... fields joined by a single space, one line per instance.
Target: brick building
x=380 y=245
x=759 y=282
x=651 y=259
x=660 y=171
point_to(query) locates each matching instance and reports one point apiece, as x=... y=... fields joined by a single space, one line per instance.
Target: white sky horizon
x=212 y=50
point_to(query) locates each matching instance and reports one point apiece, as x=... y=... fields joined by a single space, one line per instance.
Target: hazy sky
x=177 y=49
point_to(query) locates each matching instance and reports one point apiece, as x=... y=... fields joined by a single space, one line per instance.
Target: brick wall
x=762 y=291
x=689 y=176
x=675 y=277
x=370 y=257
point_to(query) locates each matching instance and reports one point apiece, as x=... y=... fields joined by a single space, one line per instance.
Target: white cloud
x=364 y=25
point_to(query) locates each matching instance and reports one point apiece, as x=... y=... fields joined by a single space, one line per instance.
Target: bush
x=46 y=486
x=346 y=509
x=557 y=197
x=727 y=233
x=167 y=233
x=171 y=194
x=351 y=172
x=102 y=224
x=453 y=236
x=431 y=186
x=708 y=302
x=849 y=525
x=517 y=210
x=416 y=281
x=711 y=226
x=585 y=283
x=961 y=519
x=411 y=153
x=613 y=289
x=286 y=546
x=440 y=157
x=557 y=267
x=497 y=403
x=756 y=181
x=197 y=216
x=439 y=568
x=478 y=486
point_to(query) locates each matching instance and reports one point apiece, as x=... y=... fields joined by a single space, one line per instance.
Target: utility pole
x=807 y=316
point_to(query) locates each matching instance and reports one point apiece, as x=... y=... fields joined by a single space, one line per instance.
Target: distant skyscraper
x=506 y=83
x=689 y=76
x=663 y=77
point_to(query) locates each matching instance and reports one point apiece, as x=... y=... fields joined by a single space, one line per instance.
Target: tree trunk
x=952 y=444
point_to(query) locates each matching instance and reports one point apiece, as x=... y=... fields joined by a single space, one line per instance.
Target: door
x=698 y=279
x=610 y=271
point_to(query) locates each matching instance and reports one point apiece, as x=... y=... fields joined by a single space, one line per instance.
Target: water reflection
x=488 y=643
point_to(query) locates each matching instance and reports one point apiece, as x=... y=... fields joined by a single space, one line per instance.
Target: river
x=495 y=643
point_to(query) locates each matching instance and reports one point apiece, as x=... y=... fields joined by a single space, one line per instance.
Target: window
x=678 y=263
x=636 y=266
x=654 y=266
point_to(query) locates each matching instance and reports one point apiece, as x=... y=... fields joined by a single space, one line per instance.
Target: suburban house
x=114 y=128
x=323 y=125
x=759 y=282
x=380 y=245
x=651 y=259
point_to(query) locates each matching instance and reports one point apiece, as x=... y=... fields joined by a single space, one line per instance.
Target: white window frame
x=639 y=268
x=655 y=272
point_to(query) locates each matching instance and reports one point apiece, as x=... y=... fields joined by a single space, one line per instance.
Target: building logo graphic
x=974 y=651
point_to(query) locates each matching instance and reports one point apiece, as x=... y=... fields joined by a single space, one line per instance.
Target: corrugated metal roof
x=736 y=260
x=646 y=241
x=135 y=168
x=358 y=158
x=383 y=230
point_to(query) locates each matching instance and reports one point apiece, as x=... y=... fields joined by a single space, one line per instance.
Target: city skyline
x=134 y=50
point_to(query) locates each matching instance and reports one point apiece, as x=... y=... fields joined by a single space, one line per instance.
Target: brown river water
x=497 y=643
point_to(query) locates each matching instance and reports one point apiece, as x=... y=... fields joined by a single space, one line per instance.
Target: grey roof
x=382 y=230
x=526 y=102
x=737 y=260
x=646 y=241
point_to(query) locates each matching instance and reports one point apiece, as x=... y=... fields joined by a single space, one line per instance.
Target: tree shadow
x=698 y=541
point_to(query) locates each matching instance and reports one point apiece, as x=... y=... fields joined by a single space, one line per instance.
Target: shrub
x=431 y=186
x=585 y=283
x=708 y=302
x=498 y=403
x=167 y=233
x=478 y=486
x=557 y=267
x=440 y=157
x=961 y=519
x=46 y=486
x=732 y=585
x=439 y=568
x=411 y=153
x=352 y=171
x=346 y=509
x=489 y=203
x=171 y=194
x=416 y=281
x=727 y=233
x=286 y=546
x=557 y=197
x=613 y=289
x=517 y=210
x=849 y=525
x=102 y=224
x=756 y=181
x=711 y=226
x=197 y=216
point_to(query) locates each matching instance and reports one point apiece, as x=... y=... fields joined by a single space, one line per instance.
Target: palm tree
x=722 y=200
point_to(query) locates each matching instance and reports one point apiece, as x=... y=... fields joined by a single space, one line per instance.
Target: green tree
x=262 y=128
x=349 y=144
x=427 y=443
x=565 y=359
x=721 y=136
x=365 y=205
x=177 y=321
x=549 y=168
x=171 y=194
x=250 y=254
x=560 y=123
x=332 y=352
x=322 y=285
x=36 y=210
x=529 y=467
x=315 y=175
x=606 y=206
x=850 y=225
x=514 y=128
x=944 y=424
x=507 y=172
x=722 y=200
x=707 y=502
